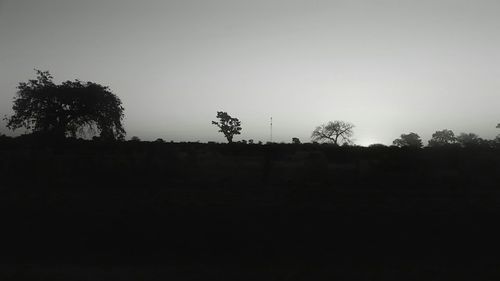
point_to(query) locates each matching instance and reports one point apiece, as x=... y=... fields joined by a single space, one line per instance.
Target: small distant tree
x=135 y=139
x=496 y=141
x=377 y=145
x=335 y=132
x=250 y=141
x=408 y=140
x=295 y=141
x=469 y=139
x=443 y=137
x=160 y=140
x=227 y=125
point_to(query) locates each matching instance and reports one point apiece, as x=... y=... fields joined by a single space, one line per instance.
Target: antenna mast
x=271 y=129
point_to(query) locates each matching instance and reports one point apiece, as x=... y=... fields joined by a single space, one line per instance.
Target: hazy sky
x=389 y=67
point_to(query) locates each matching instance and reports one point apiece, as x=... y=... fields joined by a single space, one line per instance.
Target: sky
x=387 y=66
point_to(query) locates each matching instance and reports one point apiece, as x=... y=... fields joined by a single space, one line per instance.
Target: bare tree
x=335 y=132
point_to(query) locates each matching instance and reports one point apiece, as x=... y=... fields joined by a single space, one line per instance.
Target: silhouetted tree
x=228 y=125
x=160 y=140
x=469 y=139
x=496 y=141
x=70 y=108
x=377 y=145
x=135 y=139
x=443 y=137
x=408 y=140
x=334 y=132
x=295 y=141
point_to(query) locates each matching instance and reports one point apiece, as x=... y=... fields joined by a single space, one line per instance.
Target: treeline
x=53 y=112
x=28 y=162
x=447 y=138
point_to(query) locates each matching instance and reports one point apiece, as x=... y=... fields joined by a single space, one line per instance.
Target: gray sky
x=389 y=67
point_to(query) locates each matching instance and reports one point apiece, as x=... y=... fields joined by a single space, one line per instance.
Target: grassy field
x=84 y=210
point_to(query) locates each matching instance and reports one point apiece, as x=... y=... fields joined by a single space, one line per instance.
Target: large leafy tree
x=469 y=139
x=70 y=108
x=227 y=125
x=408 y=140
x=442 y=138
x=335 y=132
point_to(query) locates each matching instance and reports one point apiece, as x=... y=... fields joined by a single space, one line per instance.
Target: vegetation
x=177 y=204
x=135 y=139
x=191 y=203
x=408 y=140
x=70 y=108
x=228 y=125
x=443 y=137
x=336 y=132
x=469 y=139
x=76 y=108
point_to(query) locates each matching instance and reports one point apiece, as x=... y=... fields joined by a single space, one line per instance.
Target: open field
x=188 y=211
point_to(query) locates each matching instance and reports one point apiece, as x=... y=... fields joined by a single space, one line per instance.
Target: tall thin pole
x=271 y=129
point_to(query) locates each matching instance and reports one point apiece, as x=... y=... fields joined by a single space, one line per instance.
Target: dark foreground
x=155 y=211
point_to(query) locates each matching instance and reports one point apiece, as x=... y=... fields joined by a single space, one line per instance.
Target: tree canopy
x=228 y=125
x=335 y=132
x=469 y=139
x=70 y=108
x=443 y=137
x=408 y=140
